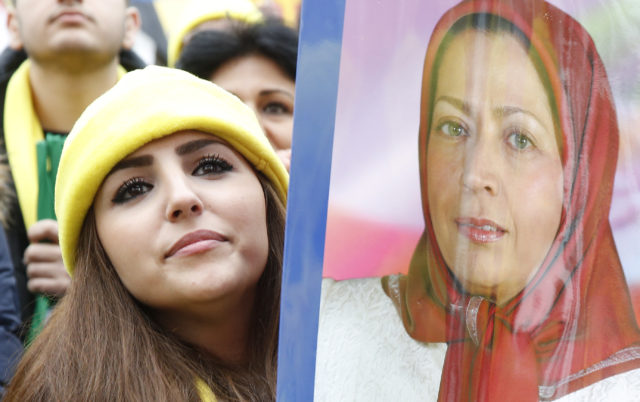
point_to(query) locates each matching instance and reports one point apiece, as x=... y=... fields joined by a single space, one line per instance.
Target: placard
x=356 y=207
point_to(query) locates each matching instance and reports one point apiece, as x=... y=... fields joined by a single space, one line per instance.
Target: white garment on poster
x=365 y=354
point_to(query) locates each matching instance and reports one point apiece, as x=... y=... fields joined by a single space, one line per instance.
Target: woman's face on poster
x=494 y=167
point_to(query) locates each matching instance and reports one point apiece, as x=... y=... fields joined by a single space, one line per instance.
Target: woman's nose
x=278 y=138
x=275 y=134
x=480 y=168
x=262 y=120
x=182 y=200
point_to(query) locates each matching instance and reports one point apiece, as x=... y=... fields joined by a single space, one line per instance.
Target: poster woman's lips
x=195 y=243
x=480 y=230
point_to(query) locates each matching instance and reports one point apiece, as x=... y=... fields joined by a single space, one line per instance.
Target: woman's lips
x=195 y=243
x=480 y=230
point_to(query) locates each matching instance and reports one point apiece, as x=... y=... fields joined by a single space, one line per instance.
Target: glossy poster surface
x=375 y=217
x=378 y=112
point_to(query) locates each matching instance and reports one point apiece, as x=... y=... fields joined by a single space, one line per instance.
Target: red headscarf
x=573 y=323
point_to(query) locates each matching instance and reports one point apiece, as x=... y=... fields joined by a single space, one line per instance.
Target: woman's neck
x=220 y=329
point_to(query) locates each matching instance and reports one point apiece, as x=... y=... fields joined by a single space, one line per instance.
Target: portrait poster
x=356 y=210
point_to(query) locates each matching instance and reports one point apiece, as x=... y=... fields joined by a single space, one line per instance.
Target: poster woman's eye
x=452 y=129
x=131 y=189
x=519 y=141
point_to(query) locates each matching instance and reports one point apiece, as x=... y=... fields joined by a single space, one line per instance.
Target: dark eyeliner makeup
x=131 y=189
x=212 y=164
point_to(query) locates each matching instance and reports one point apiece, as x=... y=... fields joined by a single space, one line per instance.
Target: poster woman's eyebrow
x=194 y=145
x=455 y=102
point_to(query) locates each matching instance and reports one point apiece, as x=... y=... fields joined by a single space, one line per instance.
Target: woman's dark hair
x=210 y=49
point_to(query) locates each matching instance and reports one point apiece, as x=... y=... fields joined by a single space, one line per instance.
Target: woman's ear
x=132 y=24
x=13 y=27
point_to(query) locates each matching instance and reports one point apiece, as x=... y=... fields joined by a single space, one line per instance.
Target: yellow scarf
x=22 y=130
x=205 y=393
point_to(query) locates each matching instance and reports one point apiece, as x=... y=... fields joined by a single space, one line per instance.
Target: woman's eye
x=276 y=108
x=213 y=164
x=452 y=129
x=519 y=141
x=131 y=189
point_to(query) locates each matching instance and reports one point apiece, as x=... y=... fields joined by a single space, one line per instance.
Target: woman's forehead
x=480 y=65
x=492 y=71
x=177 y=138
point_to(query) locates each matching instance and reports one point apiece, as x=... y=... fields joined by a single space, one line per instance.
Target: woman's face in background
x=260 y=83
x=494 y=168
x=183 y=220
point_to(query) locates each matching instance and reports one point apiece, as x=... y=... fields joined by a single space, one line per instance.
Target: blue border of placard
x=315 y=108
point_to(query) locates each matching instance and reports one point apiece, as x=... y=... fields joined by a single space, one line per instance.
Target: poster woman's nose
x=480 y=173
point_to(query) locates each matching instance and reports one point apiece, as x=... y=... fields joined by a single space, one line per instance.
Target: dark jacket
x=10 y=344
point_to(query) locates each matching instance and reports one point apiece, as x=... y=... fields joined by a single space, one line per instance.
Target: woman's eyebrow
x=500 y=111
x=194 y=145
x=504 y=111
x=463 y=106
x=276 y=91
x=137 y=161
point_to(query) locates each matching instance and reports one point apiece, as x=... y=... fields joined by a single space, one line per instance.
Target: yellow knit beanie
x=143 y=106
x=198 y=11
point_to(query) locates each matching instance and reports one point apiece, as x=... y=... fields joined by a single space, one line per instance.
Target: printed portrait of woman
x=517 y=271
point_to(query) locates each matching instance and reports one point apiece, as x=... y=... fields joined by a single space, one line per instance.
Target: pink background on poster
x=375 y=217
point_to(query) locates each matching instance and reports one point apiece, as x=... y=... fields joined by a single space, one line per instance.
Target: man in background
x=62 y=55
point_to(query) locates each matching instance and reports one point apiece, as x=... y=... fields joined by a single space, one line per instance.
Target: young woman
x=170 y=203
x=257 y=63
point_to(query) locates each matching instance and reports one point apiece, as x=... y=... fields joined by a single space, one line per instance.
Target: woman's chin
x=497 y=292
